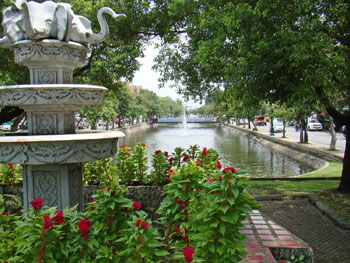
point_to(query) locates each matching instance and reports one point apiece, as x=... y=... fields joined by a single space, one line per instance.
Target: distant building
x=135 y=89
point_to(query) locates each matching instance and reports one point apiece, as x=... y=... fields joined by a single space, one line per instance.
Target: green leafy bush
x=10 y=173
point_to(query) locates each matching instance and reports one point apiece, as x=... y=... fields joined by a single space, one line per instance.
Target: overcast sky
x=148 y=78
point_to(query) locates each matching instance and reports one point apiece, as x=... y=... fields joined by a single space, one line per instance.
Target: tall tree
x=281 y=52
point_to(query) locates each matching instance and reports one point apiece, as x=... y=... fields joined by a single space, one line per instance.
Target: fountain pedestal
x=52 y=154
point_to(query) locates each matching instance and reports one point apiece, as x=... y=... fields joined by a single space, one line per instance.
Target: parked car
x=277 y=126
x=6 y=126
x=260 y=121
x=314 y=125
x=83 y=124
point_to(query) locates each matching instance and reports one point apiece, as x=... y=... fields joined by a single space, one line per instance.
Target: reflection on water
x=236 y=150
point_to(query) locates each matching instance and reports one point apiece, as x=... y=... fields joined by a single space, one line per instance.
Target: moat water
x=235 y=150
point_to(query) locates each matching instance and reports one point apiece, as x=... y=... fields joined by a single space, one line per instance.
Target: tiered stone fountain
x=52 y=154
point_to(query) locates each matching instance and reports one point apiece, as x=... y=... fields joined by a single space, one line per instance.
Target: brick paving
x=264 y=235
x=328 y=241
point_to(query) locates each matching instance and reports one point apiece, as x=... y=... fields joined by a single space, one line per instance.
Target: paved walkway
x=329 y=242
x=268 y=242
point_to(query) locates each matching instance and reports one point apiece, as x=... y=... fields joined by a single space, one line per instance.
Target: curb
x=314 y=200
x=295 y=146
x=328 y=212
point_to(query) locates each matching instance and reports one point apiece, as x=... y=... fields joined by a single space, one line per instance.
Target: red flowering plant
x=193 y=151
x=178 y=156
x=112 y=234
x=140 y=159
x=42 y=234
x=99 y=172
x=142 y=241
x=220 y=214
x=126 y=167
x=160 y=166
x=177 y=207
x=10 y=173
x=209 y=160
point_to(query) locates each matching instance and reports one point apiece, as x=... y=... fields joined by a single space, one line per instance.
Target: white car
x=5 y=126
x=314 y=125
x=277 y=126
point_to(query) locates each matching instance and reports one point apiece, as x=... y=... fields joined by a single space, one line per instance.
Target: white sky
x=148 y=78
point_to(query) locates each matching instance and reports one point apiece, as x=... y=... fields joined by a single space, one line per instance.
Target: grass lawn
x=324 y=189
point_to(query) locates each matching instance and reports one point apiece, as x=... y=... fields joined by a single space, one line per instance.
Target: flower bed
x=199 y=219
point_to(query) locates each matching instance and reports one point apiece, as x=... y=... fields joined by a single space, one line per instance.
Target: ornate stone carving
x=51 y=94
x=75 y=182
x=67 y=77
x=47 y=77
x=46 y=186
x=45 y=124
x=47 y=152
x=69 y=54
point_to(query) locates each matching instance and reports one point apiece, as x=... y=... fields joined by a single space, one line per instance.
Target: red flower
x=158 y=151
x=198 y=163
x=10 y=165
x=166 y=154
x=138 y=222
x=171 y=159
x=178 y=230
x=144 y=145
x=37 y=203
x=136 y=205
x=220 y=178
x=100 y=164
x=233 y=170
x=188 y=252
x=210 y=180
x=84 y=225
x=170 y=171
x=144 y=225
x=185 y=158
x=204 y=152
x=4 y=213
x=47 y=224
x=122 y=146
x=168 y=178
x=93 y=200
x=214 y=159
x=218 y=193
x=127 y=152
x=218 y=165
x=58 y=218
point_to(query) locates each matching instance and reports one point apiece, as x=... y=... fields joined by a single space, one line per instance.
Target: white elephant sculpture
x=32 y=20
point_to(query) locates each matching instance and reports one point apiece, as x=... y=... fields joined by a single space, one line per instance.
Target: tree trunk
x=306 y=137
x=17 y=121
x=284 y=129
x=344 y=185
x=334 y=136
x=301 y=133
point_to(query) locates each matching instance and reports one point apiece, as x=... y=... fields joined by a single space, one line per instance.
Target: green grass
x=333 y=170
x=324 y=189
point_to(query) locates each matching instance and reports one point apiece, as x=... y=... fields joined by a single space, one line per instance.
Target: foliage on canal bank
x=200 y=204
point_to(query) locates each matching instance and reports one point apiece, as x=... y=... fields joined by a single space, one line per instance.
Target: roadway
x=319 y=137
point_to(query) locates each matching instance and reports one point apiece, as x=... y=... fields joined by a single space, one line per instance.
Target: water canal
x=235 y=149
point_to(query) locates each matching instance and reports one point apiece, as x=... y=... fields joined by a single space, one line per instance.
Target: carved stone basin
x=58 y=149
x=52 y=94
